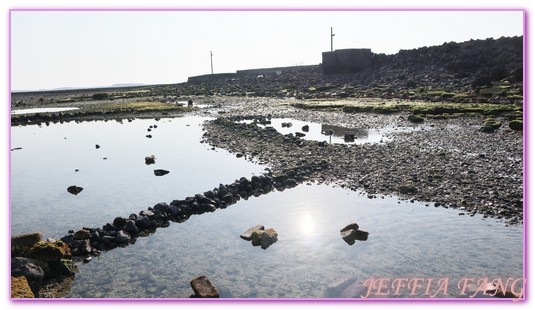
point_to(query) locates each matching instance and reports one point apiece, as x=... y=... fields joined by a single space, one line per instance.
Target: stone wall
x=346 y=60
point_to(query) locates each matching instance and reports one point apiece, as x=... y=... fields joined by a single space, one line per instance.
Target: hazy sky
x=51 y=49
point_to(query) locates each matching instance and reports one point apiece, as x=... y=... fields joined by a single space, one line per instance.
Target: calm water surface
x=310 y=260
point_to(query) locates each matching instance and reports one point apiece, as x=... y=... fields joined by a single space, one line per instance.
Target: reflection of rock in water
x=349 y=134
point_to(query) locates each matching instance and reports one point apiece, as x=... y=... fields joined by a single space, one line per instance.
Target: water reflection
x=323 y=132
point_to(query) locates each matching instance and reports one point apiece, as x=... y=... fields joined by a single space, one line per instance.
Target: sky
x=74 y=48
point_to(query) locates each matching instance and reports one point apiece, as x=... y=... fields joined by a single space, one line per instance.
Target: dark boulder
x=160 y=172
x=75 y=190
x=119 y=222
x=149 y=160
x=34 y=274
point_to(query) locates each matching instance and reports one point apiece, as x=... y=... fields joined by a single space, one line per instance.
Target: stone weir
x=39 y=263
x=89 y=242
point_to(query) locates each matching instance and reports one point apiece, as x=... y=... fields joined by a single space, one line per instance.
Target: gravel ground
x=443 y=162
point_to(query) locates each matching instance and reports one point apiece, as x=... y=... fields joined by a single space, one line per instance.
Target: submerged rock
x=203 y=288
x=75 y=190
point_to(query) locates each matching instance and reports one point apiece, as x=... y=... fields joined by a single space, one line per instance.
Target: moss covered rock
x=20 y=288
x=49 y=251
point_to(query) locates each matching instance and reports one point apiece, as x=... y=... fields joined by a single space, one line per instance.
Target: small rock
x=97 y=146
x=22 y=243
x=81 y=234
x=299 y=134
x=75 y=190
x=264 y=238
x=354 y=226
x=122 y=237
x=247 y=235
x=203 y=288
x=160 y=172
x=408 y=189
x=149 y=160
x=305 y=128
x=190 y=103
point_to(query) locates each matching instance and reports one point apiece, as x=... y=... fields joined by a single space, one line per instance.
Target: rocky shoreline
x=445 y=162
x=452 y=116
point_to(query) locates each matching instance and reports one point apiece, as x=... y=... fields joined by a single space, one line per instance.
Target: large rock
x=264 y=238
x=22 y=243
x=49 y=251
x=203 y=288
x=149 y=160
x=21 y=267
x=248 y=234
x=20 y=288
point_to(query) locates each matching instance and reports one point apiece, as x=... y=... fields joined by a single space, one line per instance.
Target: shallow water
x=406 y=239
x=115 y=179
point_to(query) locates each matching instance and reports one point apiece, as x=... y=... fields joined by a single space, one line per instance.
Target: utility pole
x=211 y=62
x=332 y=35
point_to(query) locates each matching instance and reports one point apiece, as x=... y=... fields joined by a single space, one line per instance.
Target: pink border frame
x=285 y=300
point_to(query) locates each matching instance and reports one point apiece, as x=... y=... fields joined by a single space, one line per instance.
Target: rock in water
x=349 y=236
x=203 y=288
x=75 y=190
x=160 y=172
x=264 y=238
x=351 y=232
x=247 y=235
x=354 y=226
x=269 y=236
x=149 y=160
